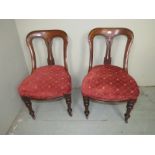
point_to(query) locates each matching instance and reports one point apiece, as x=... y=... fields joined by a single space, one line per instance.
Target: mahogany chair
x=47 y=82
x=109 y=83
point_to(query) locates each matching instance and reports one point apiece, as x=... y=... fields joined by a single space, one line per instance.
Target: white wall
x=12 y=71
x=142 y=57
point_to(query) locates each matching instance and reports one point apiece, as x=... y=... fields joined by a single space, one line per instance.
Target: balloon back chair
x=47 y=82
x=109 y=83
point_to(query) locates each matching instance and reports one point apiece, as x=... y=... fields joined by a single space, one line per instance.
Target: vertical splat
x=107 y=58
x=50 y=59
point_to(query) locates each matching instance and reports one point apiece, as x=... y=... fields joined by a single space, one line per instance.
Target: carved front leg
x=86 y=104
x=130 y=105
x=68 y=102
x=28 y=104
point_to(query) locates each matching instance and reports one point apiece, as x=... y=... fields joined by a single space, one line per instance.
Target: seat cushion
x=109 y=83
x=46 y=82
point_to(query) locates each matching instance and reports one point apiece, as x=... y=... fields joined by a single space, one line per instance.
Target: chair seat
x=46 y=82
x=109 y=83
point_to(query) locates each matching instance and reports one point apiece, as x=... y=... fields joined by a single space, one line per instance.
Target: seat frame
x=47 y=36
x=109 y=34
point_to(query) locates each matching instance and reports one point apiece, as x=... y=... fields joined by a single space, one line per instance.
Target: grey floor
x=52 y=118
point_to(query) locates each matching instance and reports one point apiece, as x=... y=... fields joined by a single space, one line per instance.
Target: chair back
x=47 y=36
x=109 y=34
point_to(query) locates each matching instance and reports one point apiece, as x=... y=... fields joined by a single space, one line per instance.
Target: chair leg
x=68 y=102
x=28 y=104
x=130 y=105
x=86 y=104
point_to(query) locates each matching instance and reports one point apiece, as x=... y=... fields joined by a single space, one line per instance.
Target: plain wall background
x=141 y=60
x=13 y=69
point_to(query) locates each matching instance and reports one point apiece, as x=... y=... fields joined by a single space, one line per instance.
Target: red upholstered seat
x=111 y=83
x=46 y=82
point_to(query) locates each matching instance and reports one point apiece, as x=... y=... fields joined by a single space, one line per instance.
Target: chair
x=109 y=83
x=47 y=82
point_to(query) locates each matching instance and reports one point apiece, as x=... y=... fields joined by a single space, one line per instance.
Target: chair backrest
x=109 y=34
x=47 y=36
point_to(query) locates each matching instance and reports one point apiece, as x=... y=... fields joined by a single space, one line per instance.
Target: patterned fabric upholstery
x=109 y=83
x=46 y=82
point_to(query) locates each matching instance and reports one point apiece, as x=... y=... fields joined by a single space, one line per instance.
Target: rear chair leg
x=130 y=105
x=28 y=104
x=86 y=104
x=68 y=102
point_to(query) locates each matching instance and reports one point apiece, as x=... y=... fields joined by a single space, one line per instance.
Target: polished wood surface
x=47 y=36
x=109 y=34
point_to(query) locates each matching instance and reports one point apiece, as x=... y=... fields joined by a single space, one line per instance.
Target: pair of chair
x=102 y=83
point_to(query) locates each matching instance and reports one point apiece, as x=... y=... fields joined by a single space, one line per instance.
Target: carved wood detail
x=86 y=104
x=68 y=102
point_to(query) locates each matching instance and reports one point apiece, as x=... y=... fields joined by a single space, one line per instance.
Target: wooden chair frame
x=109 y=34
x=47 y=36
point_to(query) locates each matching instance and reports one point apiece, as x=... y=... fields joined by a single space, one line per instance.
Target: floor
x=52 y=118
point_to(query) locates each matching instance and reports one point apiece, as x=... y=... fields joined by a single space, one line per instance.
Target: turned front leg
x=86 y=105
x=68 y=102
x=130 y=105
x=28 y=104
